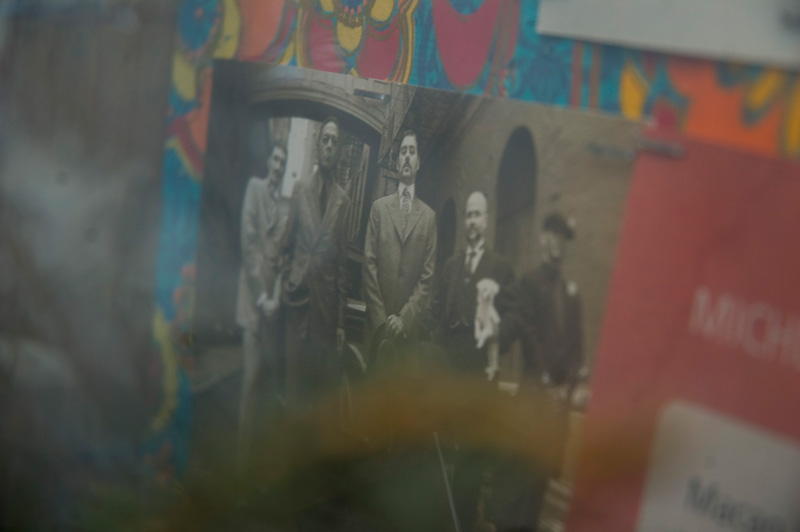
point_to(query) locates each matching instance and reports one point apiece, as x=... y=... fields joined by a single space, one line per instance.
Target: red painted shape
x=464 y=41
x=380 y=53
x=666 y=115
x=265 y=28
x=322 y=46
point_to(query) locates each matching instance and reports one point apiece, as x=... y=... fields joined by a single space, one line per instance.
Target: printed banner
x=699 y=360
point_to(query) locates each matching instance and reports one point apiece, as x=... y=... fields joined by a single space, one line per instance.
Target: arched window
x=516 y=197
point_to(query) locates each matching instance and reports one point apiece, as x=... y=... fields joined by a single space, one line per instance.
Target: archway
x=237 y=127
x=516 y=199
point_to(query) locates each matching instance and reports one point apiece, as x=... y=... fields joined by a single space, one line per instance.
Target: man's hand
x=270 y=307
x=395 y=325
x=340 y=339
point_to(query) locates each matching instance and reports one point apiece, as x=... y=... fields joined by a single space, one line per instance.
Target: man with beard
x=263 y=221
x=315 y=280
x=457 y=290
x=456 y=304
x=400 y=254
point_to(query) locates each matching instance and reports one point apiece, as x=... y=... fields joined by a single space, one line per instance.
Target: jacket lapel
x=396 y=216
x=335 y=198
x=312 y=203
x=484 y=267
x=270 y=207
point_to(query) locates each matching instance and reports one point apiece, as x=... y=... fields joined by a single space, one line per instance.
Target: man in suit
x=456 y=293
x=456 y=308
x=262 y=223
x=400 y=254
x=547 y=318
x=315 y=281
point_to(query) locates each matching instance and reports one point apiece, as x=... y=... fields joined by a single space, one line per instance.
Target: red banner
x=697 y=376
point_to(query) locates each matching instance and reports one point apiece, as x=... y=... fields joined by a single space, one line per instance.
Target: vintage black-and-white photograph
x=355 y=232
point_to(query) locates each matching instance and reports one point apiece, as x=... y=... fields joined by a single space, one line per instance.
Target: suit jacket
x=551 y=342
x=491 y=265
x=315 y=251
x=451 y=282
x=262 y=224
x=399 y=264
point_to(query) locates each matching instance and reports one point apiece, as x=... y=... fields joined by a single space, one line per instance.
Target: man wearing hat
x=547 y=319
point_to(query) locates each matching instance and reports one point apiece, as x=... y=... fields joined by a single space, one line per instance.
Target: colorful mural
x=485 y=47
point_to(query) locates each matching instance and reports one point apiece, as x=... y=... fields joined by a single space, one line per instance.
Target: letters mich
x=759 y=329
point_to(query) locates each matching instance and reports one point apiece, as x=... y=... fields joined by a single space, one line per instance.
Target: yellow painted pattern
x=297 y=39
x=632 y=92
x=231 y=31
x=288 y=53
x=184 y=76
x=408 y=46
x=169 y=361
x=349 y=38
x=791 y=127
x=382 y=10
x=175 y=144
x=766 y=88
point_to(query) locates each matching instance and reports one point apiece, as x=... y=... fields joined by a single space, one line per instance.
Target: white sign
x=710 y=473
x=752 y=31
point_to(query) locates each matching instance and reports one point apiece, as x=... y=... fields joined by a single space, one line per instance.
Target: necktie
x=273 y=190
x=405 y=206
x=323 y=200
x=470 y=258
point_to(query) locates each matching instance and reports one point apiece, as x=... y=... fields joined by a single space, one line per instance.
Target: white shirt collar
x=410 y=191
x=479 y=247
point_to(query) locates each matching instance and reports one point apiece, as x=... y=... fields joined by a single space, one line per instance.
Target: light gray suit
x=263 y=222
x=399 y=264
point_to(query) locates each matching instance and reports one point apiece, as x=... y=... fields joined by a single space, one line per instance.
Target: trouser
x=519 y=487
x=260 y=380
x=312 y=368
x=470 y=466
x=462 y=353
x=517 y=495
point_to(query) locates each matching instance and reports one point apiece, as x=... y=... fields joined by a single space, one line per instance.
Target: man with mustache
x=400 y=254
x=456 y=307
x=315 y=276
x=457 y=289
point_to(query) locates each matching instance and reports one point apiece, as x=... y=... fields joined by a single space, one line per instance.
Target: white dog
x=487 y=322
